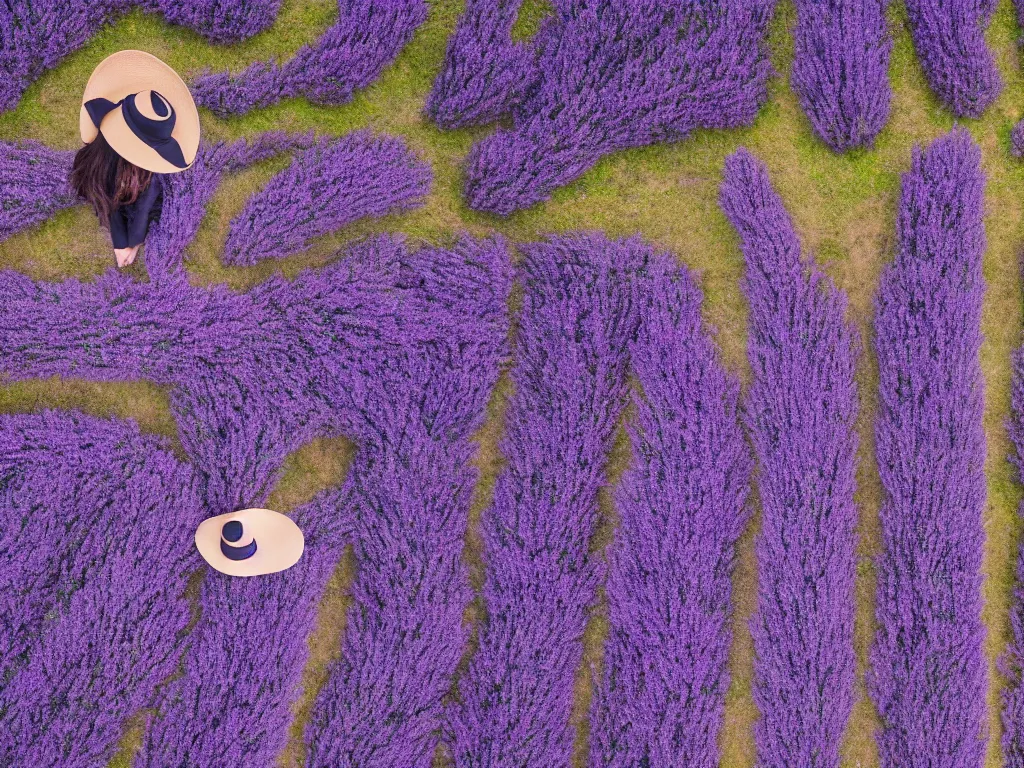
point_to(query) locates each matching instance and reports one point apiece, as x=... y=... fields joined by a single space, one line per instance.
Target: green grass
x=843 y=207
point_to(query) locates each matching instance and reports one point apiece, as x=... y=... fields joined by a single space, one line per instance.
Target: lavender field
x=647 y=379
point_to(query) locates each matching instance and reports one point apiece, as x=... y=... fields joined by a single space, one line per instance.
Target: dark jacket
x=130 y=223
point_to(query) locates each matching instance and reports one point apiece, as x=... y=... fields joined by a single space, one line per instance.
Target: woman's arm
x=129 y=224
x=143 y=211
x=119 y=228
x=124 y=253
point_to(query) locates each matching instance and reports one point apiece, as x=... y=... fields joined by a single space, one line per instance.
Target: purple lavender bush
x=928 y=677
x=220 y=21
x=252 y=377
x=841 y=69
x=96 y=524
x=622 y=74
x=350 y=55
x=242 y=674
x=949 y=37
x=383 y=703
x=329 y=186
x=186 y=195
x=800 y=413
x=682 y=506
x=1017 y=140
x=36 y=34
x=33 y=185
x=485 y=74
x=541 y=578
x=1012 y=663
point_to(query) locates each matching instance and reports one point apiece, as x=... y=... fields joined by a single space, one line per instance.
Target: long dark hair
x=95 y=165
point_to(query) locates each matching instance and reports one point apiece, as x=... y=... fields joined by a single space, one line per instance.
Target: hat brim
x=279 y=542
x=127 y=72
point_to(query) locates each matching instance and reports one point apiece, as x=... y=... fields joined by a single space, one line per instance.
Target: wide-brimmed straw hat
x=250 y=542
x=144 y=111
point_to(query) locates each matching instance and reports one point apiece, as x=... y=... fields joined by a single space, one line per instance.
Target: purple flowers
x=800 y=412
x=327 y=187
x=220 y=21
x=35 y=185
x=36 y=34
x=610 y=75
x=949 y=37
x=840 y=69
x=350 y=55
x=484 y=74
x=928 y=677
x=382 y=705
x=351 y=349
x=570 y=388
x=682 y=506
x=96 y=522
x=1012 y=664
x=397 y=350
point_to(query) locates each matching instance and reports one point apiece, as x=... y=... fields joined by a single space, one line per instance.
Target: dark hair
x=95 y=166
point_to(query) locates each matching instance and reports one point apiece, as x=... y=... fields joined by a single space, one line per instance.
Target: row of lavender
x=329 y=185
x=399 y=350
x=35 y=35
x=597 y=77
x=603 y=76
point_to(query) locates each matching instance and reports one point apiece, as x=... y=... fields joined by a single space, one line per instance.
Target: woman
x=139 y=123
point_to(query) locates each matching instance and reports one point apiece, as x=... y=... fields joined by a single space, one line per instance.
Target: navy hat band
x=238 y=553
x=153 y=133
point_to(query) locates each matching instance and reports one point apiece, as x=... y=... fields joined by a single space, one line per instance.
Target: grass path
x=843 y=208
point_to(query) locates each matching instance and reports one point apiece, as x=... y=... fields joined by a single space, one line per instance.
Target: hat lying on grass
x=250 y=542
x=144 y=111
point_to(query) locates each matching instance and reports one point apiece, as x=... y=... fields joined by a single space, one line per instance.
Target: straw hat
x=250 y=542
x=144 y=111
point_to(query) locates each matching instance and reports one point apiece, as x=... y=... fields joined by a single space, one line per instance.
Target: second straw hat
x=250 y=542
